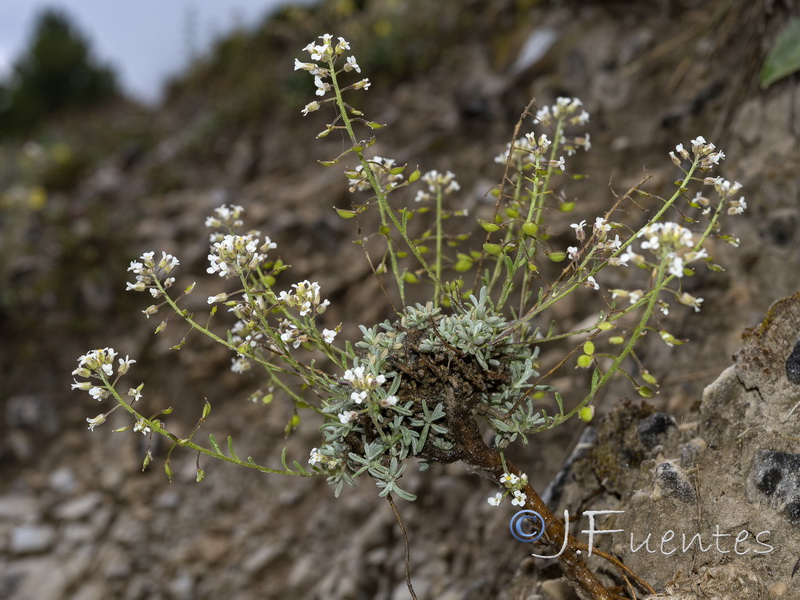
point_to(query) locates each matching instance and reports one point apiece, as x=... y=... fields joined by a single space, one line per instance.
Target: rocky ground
x=78 y=518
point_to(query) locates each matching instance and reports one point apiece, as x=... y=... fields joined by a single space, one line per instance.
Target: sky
x=145 y=41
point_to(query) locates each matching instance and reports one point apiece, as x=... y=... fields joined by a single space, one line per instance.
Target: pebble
x=261 y=558
x=63 y=480
x=30 y=539
x=182 y=587
x=18 y=508
x=80 y=507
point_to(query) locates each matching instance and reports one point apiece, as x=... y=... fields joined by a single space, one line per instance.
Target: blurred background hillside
x=90 y=178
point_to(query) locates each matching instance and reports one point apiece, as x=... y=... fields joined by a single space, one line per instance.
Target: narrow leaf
x=230 y=449
x=784 y=58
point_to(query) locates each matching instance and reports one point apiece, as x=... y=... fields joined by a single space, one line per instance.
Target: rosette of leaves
x=445 y=375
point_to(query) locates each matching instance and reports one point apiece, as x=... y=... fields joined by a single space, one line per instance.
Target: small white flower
x=316 y=457
x=139 y=286
x=578 y=227
x=218 y=298
x=98 y=420
x=347 y=416
x=342 y=46
x=240 y=364
x=690 y=300
x=141 y=425
x=328 y=335
x=519 y=498
x=125 y=364
x=509 y=479
x=84 y=386
x=591 y=283
x=352 y=65
x=358 y=397
x=496 y=499
x=98 y=393
x=389 y=401
x=323 y=87
x=601 y=226
x=737 y=207
x=311 y=107
x=676 y=266
x=698 y=142
x=135 y=394
x=581 y=119
x=167 y=262
x=572 y=252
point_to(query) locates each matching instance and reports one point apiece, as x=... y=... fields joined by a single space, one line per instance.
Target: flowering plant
x=428 y=382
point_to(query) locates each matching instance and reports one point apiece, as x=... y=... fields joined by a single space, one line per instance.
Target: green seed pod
x=586 y=414
x=346 y=214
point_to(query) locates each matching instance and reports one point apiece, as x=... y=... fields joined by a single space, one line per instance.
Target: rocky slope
x=77 y=517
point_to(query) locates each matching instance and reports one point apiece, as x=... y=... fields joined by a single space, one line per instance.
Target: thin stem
x=186 y=443
x=438 y=241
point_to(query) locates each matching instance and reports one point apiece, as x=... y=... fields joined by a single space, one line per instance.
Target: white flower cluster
x=225 y=215
x=306 y=298
x=323 y=460
x=513 y=484
x=530 y=151
x=385 y=169
x=704 y=151
x=564 y=108
x=726 y=189
x=290 y=333
x=438 y=183
x=327 y=53
x=99 y=364
x=237 y=253
x=603 y=243
x=669 y=238
x=363 y=383
x=141 y=425
x=533 y=151
x=147 y=272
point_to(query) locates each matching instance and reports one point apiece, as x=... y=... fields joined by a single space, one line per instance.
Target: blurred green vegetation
x=57 y=72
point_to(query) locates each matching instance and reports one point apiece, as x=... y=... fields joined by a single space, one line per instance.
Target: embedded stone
x=775 y=479
x=653 y=429
x=30 y=539
x=672 y=481
x=793 y=365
